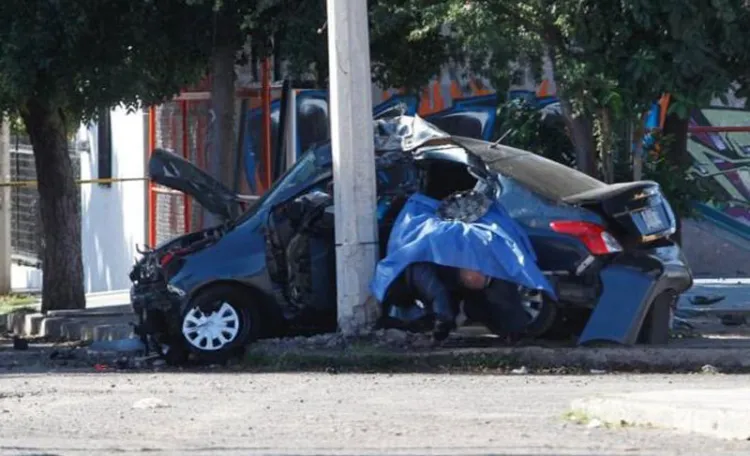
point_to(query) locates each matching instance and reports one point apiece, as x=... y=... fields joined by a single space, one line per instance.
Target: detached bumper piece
x=631 y=285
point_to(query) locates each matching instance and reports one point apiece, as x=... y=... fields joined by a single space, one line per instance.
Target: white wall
x=113 y=218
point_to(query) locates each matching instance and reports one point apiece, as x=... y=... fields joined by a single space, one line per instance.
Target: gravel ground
x=225 y=413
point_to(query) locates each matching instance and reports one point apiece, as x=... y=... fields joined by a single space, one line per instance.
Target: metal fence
x=182 y=127
x=26 y=227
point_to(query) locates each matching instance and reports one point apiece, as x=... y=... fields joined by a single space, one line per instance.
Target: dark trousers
x=439 y=289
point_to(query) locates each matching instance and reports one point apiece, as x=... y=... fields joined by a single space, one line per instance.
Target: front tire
x=218 y=323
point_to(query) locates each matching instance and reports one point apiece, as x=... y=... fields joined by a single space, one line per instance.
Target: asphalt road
x=275 y=414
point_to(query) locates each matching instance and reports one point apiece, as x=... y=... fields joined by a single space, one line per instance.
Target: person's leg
x=504 y=308
x=425 y=283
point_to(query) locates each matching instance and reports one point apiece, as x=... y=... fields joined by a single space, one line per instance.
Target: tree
x=610 y=59
x=62 y=63
x=406 y=51
x=693 y=50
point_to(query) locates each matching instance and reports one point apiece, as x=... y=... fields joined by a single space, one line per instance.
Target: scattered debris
x=706 y=300
x=733 y=320
x=20 y=343
x=119 y=345
x=595 y=423
x=63 y=355
x=681 y=323
x=150 y=403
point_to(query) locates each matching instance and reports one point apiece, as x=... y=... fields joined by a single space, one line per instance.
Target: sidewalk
x=717 y=413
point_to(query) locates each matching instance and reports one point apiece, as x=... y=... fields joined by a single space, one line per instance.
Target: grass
x=369 y=359
x=13 y=302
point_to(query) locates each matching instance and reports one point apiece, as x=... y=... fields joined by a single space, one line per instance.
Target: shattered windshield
x=404 y=133
x=398 y=133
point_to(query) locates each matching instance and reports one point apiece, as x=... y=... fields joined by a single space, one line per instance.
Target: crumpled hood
x=170 y=170
x=494 y=245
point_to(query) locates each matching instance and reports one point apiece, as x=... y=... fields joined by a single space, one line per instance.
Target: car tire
x=218 y=323
x=544 y=314
x=656 y=327
x=545 y=319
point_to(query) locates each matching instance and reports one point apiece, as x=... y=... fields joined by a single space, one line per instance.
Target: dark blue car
x=269 y=270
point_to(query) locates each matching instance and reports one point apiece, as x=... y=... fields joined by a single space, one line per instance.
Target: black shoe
x=442 y=330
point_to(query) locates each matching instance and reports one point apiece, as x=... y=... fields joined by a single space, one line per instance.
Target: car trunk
x=636 y=212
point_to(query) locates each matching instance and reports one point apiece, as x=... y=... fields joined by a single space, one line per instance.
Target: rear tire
x=218 y=323
x=656 y=326
x=545 y=318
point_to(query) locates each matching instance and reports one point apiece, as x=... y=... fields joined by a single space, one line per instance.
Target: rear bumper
x=630 y=285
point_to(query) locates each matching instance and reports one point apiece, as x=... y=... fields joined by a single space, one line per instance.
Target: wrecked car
x=269 y=271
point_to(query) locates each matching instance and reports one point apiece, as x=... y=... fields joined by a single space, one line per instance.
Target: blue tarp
x=495 y=245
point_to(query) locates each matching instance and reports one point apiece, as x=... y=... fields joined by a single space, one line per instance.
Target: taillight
x=593 y=236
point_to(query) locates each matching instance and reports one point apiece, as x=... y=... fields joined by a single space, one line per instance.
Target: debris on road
x=733 y=320
x=20 y=343
x=120 y=345
x=709 y=369
x=594 y=424
x=150 y=403
x=706 y=300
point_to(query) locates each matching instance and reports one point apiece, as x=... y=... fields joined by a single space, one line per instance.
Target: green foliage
x=681 y=187
x=405 y=50
x=84 y=55
x=522 y=125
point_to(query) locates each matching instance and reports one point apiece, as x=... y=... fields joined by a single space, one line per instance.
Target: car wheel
x=218 y=323
x=543 y=312
x=656 y=326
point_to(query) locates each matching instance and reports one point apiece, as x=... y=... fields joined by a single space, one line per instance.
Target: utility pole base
x=5 y=208
x=357 y=309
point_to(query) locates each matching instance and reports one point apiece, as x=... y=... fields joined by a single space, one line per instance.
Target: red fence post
x=151 y=192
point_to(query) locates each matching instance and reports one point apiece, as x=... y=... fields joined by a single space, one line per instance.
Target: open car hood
x=170 y=170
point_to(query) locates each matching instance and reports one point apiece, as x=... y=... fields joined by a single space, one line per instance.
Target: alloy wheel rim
x=532 y=302
x=211 y=331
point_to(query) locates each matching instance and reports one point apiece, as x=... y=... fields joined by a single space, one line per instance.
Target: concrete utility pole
x=353 y=162
x=5 y=207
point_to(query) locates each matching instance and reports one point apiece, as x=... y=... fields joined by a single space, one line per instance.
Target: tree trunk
x=608 y=165
x=62 y=265
x=222 y=159
x=581 y=135
x=638 y=134
x=677 y=129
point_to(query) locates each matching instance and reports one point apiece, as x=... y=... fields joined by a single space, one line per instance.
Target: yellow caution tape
x=33 y=183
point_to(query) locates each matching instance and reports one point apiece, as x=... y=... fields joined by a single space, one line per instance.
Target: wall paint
x=114 y=217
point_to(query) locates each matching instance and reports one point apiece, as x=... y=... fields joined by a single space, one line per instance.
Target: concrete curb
x=716 y=413
x=85 y=325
